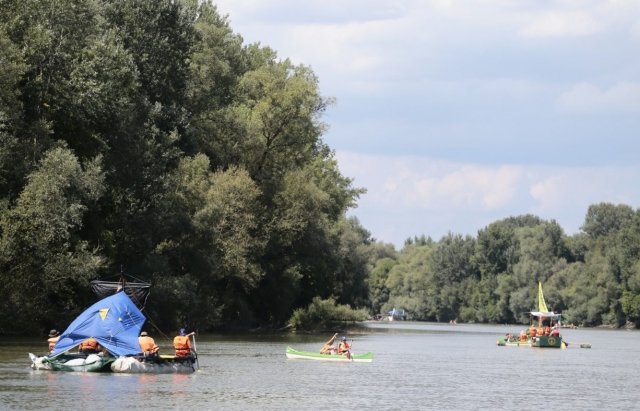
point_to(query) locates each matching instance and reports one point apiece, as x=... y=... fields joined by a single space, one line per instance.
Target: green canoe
x=307 y=355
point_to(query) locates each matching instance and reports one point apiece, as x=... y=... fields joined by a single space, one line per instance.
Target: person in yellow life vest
x=148 y=345
x=89 y=346
x=344 y=347
x=328 y=347
x=54 y=336
x=182 y=344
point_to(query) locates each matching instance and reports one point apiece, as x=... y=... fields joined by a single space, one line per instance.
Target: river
x=416 y=366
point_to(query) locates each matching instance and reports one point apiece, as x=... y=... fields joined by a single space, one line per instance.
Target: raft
x=72 y=362
x=307 y=355
x=164 y=364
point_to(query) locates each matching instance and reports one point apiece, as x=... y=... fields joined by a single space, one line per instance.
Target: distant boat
x=308 y=355
x=544 y=331
x=395 y=314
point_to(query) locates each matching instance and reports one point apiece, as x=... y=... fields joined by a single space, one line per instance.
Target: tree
x=210 y=238
x=42 y=257
x=218 y=60
x=305 y=232
x=378 y=290
x=412 y=286
x=606 y=218
x=280 y=107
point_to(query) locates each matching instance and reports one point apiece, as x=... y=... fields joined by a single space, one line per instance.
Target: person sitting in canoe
x=344 y=348
x=148 y=345
x=182 y=344
x=54 y=336
x=328 y=347
x=89 y=346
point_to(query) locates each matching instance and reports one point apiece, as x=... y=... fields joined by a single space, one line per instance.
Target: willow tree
x=43 y=258
x=209 y=256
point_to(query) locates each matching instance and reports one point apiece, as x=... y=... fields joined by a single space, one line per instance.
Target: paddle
x=349 y=355
x=195 y=350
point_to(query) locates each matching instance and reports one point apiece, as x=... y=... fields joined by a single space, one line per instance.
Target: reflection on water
x=416 y=366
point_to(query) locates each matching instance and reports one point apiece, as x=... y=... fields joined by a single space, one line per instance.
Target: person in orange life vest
x=182 y=344
x=54 y=336
x=344 y=346
x=523 y=335
x=148 y=345
x=89 y=346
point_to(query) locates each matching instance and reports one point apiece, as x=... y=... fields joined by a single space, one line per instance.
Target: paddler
x=344 y=347
x=54 y=336
x=182 y=344
x=328 y=347
x=89 y=346
x=148 y=345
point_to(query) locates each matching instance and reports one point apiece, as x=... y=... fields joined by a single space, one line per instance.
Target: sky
x=454 y=114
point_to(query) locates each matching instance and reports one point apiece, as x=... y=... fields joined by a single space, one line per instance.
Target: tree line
x=592 y=277
x=147 y=135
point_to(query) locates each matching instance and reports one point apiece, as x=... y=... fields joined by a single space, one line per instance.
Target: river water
x=416 y=366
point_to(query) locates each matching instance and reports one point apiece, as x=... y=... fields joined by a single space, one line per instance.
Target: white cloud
x=561 y=24
x=578 y=187
x=549 y=193
x=422 y=183
x=414 y=196
x=589 y=98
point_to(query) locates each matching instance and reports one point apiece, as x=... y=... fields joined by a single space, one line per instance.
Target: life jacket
x=182 y=345
x=52 y=342
x=343 y=347
x=148 y=345
x=89 y=345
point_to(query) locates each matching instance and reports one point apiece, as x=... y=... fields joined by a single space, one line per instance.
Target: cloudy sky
x=454 y=114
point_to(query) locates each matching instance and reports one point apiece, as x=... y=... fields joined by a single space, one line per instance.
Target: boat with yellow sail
x=544 y=331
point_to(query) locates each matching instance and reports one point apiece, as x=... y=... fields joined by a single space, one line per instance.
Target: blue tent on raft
x=115 y=322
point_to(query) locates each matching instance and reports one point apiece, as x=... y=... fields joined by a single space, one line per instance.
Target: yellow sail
x=542 y=306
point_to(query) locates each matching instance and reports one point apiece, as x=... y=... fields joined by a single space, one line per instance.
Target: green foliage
x=411 y=287
x=591 y=278
x=212 y=179
x=605 y=218
x=41 y=252
x=378 y=290
x=324 y=314
x=631 y=306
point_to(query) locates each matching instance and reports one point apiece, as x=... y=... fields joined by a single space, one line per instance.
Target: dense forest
x=145 y=136
x=592 y=277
